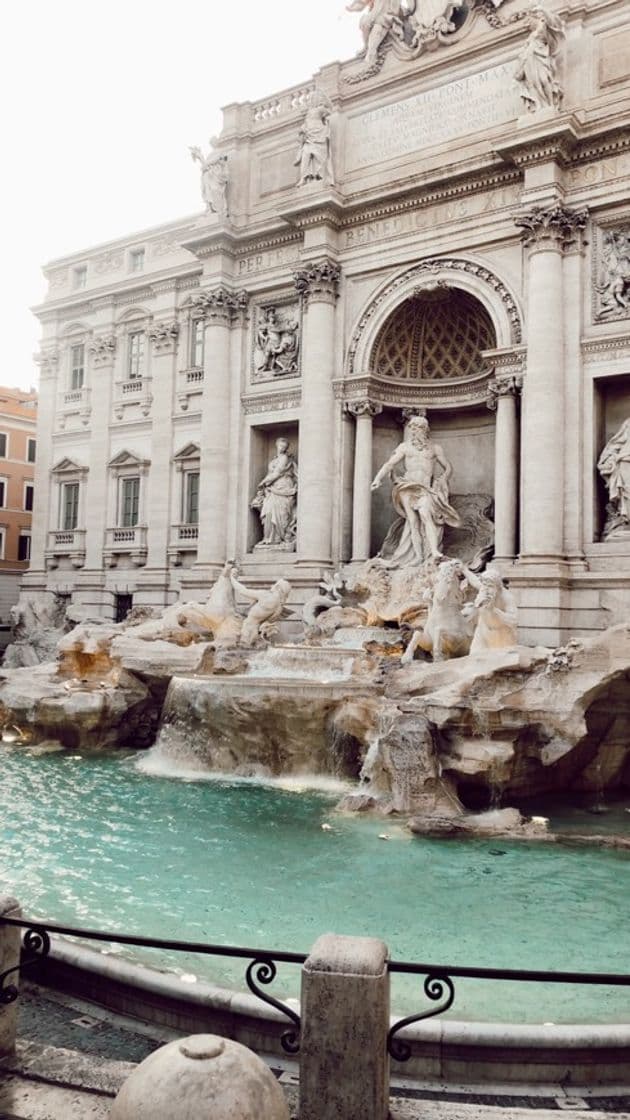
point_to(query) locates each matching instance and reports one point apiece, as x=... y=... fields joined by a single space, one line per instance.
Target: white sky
x=101 y=99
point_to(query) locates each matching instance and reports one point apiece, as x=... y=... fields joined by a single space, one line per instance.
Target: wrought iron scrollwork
x=437 y=987
x=264 y=971
x=36 y=940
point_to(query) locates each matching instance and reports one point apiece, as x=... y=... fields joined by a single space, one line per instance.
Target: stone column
x=9 y=957
x=344 y=1065
x=317 y=283
x=48 y=362
x=364 y=411
x=163 y=337
x=547 y=233
x=502 y=394
x=220 y=308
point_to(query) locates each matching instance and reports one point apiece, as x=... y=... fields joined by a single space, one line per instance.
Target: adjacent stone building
x=439 y=227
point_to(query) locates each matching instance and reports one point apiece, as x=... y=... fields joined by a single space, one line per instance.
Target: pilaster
x=48 y=362
x=364 y=413
x=163 y=338
x=102 y=353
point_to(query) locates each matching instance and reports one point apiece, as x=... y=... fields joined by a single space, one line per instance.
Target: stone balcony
x=67 y=544
x=135 y=391
x=182 y=543
x=131 y=542
x=189 y=384
x=74 y=402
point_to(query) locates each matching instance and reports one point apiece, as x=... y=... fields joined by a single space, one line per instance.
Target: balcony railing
x=183 y=540
x=190 y=383
x=124 y=540
x=66 y=542
x=133 y=391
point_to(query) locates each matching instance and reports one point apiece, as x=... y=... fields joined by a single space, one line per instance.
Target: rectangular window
x=3 y=492
x=198 y=331
x=130 y=502
x=77 y=366
x=79 y=276
x=3 y=538
x=29 y=491
x=31 y=450
x=135 y=355
x=24 y=546
x=191 y=497
x=136 y=260
x=70 y=506
x=4 y=445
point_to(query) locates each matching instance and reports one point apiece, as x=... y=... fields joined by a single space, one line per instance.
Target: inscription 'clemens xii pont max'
x=437 y=115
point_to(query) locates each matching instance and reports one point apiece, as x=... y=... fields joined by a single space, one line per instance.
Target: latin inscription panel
x=435 y=116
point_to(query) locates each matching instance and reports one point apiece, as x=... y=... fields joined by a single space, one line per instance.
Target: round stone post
x=502 y=398
x=220 y=308
x=364 y=411
x=344 y=1064
x=547 y=233
x=9 y=958
x=317 y=283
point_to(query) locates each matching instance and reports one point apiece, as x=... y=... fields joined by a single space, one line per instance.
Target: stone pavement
x=73 y=1057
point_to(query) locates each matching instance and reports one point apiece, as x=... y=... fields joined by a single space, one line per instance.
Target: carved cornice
x=556 y=226
x=220 y=305
x=318 y=280
x=164 y=336
x=271 y=402
x=415 y=396
x=557 y=144
x=606 y=349
x=102 y=350
x=363 y=408
x=502 y=387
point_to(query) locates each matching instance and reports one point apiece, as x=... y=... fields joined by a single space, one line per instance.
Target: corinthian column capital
x=318 y=280
x=556 y=226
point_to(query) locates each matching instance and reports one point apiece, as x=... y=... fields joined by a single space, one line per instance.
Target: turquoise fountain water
x=95 y=841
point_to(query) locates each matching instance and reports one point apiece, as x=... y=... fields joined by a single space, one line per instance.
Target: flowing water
x=97 y=842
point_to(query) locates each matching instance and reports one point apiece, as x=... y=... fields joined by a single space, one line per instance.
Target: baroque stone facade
x=436 y=229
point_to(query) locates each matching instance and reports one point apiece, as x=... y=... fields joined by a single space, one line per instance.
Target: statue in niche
x=268 y=608
x=314 y=157
x=276 y=501
x=420 y=496
x=537 y=66
x=614 y=467
x=277 y=344
x=214 y=181
x=614 y=291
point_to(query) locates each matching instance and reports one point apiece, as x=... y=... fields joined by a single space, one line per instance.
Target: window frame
x=4 y=492
x=136 y=361
x=77 y=369
x=4 y=455
x=189 y=474
x=79 y=277
x=137 y=259
x=24 y=534
x=63 y=505
x=123 y=483
x=31 y=440
x=28 y=485
x=197 y=342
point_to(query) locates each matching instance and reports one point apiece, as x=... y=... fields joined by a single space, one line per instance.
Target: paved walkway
x=72 y=1058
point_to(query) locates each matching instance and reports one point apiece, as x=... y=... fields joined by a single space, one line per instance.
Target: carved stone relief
x=408 y=28
x=276 y=342
x=612 y=274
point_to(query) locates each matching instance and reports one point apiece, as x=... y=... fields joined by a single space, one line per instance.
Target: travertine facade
x=440 y=227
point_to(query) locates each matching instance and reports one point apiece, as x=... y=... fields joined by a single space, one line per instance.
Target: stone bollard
x=10 y=942
x=344 y=1065
x=199 y=1077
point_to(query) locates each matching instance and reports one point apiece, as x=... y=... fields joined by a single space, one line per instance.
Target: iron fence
x=439 y=980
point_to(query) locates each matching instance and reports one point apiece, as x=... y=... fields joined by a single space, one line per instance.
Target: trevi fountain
x=354 y=462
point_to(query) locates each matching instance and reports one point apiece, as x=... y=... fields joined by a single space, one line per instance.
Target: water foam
x=156 y=764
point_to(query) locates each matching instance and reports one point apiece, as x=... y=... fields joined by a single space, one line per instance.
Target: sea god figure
x=276 y=501
x=537 y=67
x=420 y=495
x=614 y=467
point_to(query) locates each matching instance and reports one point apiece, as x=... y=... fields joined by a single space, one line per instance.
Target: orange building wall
x=18 y=419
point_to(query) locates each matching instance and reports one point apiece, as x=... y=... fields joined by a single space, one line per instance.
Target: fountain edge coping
x=448 y=1031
